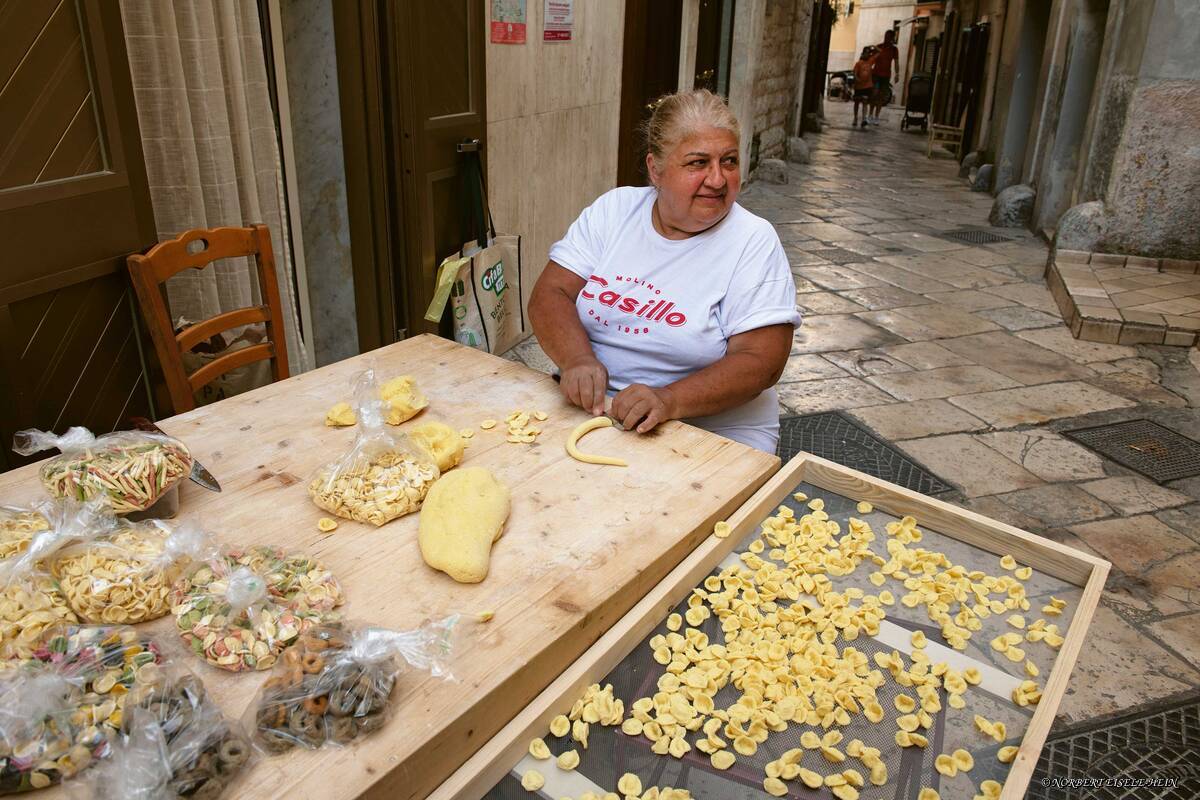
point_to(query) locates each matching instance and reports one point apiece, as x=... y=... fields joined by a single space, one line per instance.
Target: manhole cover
x=833 y=436
x=1158 y=453
x=837 y=255
x=976 y=236
x=1152 y=754
x=1153 y=769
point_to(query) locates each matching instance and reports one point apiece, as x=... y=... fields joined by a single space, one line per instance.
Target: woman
x=673 y=295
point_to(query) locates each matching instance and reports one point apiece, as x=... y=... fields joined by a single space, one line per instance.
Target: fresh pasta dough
x=463 y=514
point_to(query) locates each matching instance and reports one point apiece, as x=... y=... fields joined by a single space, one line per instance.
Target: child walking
x=863 y=83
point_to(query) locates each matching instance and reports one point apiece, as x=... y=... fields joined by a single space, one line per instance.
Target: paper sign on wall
x=508 y=21
x=560 y=19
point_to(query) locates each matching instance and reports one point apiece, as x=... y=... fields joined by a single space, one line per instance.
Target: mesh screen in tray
x=611 y=753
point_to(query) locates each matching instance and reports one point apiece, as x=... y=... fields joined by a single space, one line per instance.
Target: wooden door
x=411 y=78
x=650 y=69
x=441 y=105
x=73 y=204
x=714 y=46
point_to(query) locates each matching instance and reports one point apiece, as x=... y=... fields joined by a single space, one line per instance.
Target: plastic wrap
x=334 y=685
x=238 y=611
x=36 y=704
x=176 y=743
x=383 y=476
x=130 y=469
x=30 y=598
x=17 y=527
x=126 y=576
x=60 y=710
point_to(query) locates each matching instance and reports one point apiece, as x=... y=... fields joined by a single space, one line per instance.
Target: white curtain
x=209 y=139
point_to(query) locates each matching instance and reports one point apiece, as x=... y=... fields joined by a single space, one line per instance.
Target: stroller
x=916 y=110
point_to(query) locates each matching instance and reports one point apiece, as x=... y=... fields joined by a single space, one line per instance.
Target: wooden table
x=583 y=544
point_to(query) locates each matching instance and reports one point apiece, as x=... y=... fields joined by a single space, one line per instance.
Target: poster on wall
x=508 y=21
x=560 y=18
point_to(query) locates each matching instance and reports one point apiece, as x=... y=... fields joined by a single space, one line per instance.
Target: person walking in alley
x=881 y=71
x=864 y=83
x=672 y=298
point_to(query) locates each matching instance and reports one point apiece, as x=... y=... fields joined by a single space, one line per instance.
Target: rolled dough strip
x=580 y=431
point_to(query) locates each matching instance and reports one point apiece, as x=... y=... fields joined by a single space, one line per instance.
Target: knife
x=199 y=474
x=608 y=413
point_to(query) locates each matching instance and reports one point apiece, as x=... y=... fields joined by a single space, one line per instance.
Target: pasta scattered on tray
x=784 y=622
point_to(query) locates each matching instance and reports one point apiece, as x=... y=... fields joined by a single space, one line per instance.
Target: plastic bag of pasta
x=31 y=599
x=17 y=527
x=130 y=469
x=36 y=704
x=239 y=610
x=383 y=476
x=334 y=685
x=60 y=710
x=175 y=743
x=126 y=575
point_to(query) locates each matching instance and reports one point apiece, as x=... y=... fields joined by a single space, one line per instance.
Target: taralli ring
x=316 y=705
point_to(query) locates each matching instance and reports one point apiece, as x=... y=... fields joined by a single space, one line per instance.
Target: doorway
x=960 y=83
x=650 y=69
x=411 y=84
x=714 y=44
x=824 y=14
x=73 y=203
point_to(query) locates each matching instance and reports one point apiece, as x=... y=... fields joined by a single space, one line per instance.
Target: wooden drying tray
x=494 y=760
x=582 y=545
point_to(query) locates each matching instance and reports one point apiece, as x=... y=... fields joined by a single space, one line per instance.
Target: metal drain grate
x=1159 y=453
x=1153 y=754
x=838 y=256
x=976 y=236
x=833 y=436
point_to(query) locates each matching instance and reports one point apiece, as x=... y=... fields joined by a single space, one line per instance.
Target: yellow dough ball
x=340 y=416
x=443 y=442
x=404 y=399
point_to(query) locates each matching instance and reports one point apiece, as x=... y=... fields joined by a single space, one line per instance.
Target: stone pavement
x=957 y=354
x=1127 y=299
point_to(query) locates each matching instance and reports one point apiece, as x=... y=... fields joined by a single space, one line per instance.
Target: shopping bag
x=484 y=294
x=482 y=283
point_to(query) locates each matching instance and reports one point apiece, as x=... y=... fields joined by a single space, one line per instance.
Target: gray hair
x=680 y=114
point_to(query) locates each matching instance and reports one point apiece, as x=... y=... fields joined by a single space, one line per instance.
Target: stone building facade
x=779 y=79
x=1096 y=107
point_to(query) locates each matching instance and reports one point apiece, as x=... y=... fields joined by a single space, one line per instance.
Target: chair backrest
x=196 y=249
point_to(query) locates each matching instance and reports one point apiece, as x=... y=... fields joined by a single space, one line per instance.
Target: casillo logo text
x=652 y=310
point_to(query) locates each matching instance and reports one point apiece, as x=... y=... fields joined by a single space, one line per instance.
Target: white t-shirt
x=657 y=310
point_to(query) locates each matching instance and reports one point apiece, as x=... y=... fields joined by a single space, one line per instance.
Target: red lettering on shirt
x=652 y=309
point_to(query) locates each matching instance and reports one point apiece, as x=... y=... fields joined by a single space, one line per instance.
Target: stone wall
x=777 y=81
x=320 y=176
x=1152 y=201
x=1109 y=150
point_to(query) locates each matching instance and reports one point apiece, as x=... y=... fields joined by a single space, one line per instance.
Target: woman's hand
x=638 y=401
x=584 y=383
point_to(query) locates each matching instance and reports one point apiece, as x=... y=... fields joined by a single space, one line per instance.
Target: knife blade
x=608 y=413
x=199 y=475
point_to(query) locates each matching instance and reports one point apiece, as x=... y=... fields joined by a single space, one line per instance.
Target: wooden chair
x=949 y=135
x=150 y=271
